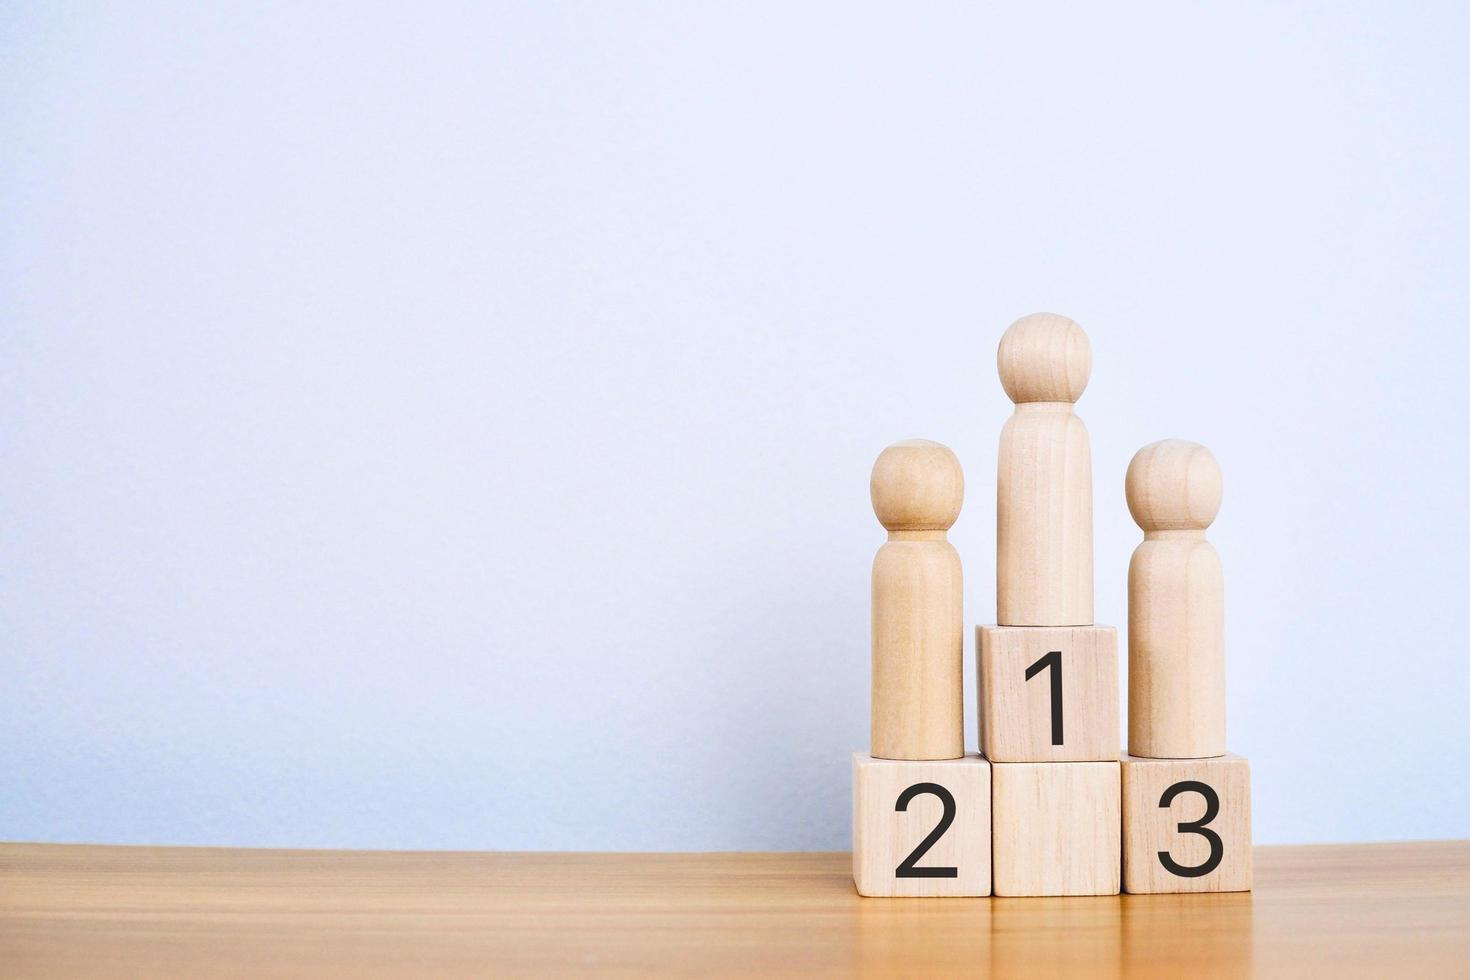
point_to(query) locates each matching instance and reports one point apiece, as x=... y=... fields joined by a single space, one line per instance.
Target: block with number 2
x=921 y=828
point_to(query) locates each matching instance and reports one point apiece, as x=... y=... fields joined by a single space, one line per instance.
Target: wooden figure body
x=1043 y=568
x=918 y=702
x=1176 y=628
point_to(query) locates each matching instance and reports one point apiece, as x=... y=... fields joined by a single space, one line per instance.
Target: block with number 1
x=1187 y=825
x=1048 y=694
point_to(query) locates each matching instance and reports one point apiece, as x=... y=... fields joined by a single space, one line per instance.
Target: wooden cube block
x=1057 y=828
x=921 y=828
x=1186 y=825
x=1048 y=693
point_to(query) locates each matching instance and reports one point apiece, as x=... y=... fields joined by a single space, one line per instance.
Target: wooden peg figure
x=918 y=708
x=1176 y=624
x=1043 y=567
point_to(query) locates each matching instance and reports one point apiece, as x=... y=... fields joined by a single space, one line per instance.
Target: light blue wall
x=451 y=428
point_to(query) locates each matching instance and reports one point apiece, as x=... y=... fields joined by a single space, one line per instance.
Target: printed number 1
x=1052 y=660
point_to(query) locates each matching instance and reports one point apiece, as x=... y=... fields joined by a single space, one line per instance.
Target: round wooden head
x=917 y=485
x=1173 y=485
x=1044 y=358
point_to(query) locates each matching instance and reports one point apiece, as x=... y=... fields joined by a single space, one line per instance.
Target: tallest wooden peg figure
x=1043 y=568
x=1048 y=676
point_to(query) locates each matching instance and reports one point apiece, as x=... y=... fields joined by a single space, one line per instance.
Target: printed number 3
x=1212 y=810
x=907 y=869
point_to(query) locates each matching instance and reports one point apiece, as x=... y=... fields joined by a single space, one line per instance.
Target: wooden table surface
x=1374 y=910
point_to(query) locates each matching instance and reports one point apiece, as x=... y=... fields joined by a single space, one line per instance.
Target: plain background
x=449 y=426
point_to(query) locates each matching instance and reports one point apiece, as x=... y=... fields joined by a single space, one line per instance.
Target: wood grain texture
x=1374 y=910
x=883 y=836
x=917 y=489
x=1176 y=605
x=1043 y=570
x=1056 y=828
x=1149 y=828
x=1016 y=723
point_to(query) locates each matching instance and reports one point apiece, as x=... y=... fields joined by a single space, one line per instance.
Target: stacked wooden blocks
x=921 y=807
x=1048 y=807
x=1048 y=695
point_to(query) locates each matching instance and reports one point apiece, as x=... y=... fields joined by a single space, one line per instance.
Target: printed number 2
x=1054 y=661
x=1212 y=810
x=907 y=869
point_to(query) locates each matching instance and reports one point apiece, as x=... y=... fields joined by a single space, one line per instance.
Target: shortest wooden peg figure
x=1186 y=801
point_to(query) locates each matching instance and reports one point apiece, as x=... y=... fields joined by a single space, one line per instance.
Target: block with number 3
x=1186 y=825
x=921 y=829
x=1048 y=693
